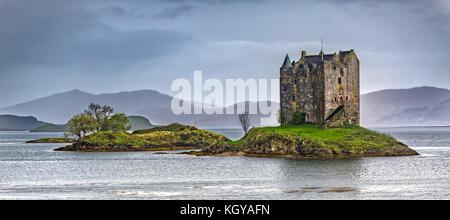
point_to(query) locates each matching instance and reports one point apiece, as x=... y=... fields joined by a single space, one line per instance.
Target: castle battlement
x=320 y=84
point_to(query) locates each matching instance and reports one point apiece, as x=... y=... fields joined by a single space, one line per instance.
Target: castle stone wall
x=310 y=92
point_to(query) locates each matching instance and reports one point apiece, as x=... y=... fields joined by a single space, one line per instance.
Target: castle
x=325 y=87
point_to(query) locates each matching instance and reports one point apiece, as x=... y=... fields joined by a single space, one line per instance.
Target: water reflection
x=320 y=175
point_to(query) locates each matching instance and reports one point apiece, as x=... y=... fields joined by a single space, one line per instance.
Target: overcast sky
x=50 y=46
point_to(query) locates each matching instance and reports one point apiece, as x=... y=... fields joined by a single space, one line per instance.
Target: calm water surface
x=34 y=171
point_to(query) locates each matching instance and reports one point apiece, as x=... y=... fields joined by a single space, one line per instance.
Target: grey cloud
x=175 y=11
x=68 y=35
x=182 y=7
x=116 y=11
x=49 y=46
x=212 y=1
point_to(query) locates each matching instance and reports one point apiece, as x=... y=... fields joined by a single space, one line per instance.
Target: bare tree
x=244 y=120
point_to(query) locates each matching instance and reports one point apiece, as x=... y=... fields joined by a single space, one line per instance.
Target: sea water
x=35 y=171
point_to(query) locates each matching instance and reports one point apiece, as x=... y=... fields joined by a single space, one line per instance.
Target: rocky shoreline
x=312 y=154
x=123 y=148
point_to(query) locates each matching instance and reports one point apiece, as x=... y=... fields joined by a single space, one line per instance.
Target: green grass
x=313 y=132
x=350 y=137
x=111 y=137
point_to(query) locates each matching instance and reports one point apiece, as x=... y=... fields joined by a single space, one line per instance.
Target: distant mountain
x=406 y=107
x=392 y=107
x=440 y=112
x=18 y=123
x=59 y=108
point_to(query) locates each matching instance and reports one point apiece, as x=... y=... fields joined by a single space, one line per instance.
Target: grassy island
x=171 y=137
x=308 y=140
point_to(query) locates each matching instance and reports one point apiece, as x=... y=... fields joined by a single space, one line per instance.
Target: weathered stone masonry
x=318 y=85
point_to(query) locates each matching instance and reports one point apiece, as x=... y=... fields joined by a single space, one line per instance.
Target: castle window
x=293 y=98
x=339 y=80
x=346 y=98
x=295 y=81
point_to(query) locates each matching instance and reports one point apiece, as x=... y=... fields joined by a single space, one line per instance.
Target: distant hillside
x=59 y=108
x=137 y=123
x=18 y=123
x=405 y=107
x=50 y=128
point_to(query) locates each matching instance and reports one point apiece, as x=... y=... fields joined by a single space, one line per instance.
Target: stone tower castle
x=324 y=86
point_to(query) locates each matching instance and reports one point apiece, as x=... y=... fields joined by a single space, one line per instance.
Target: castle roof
x=318 y=58
x=287 y=62
x=343 y=54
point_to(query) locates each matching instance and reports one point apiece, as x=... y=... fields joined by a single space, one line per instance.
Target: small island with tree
x=99 y=130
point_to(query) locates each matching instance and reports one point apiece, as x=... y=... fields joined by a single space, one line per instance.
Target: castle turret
x=303 y=53
x=287 y=62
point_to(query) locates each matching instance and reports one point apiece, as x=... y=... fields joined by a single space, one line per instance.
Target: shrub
x=298 y=118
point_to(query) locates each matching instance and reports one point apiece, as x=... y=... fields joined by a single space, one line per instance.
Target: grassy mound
x=173 y=136
x=308 y=140
x=351 y=137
